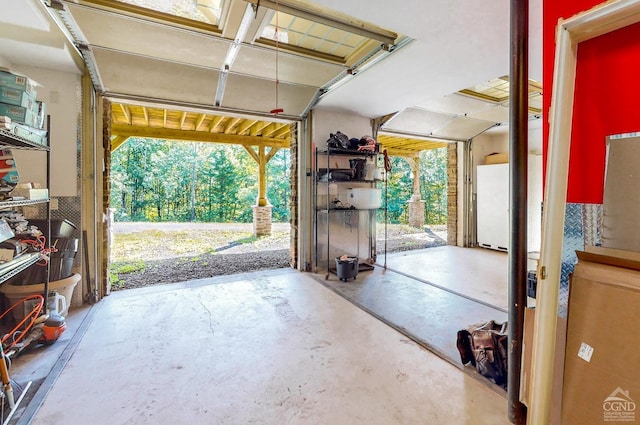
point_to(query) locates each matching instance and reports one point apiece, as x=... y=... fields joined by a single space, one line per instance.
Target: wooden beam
x=196 y=136
x=199 y=121
x=282 y=131
x=257 y=129
x=215 y=121
x=405 y=153
x=232 y=122
x=118 y=141
x=270 y=129
x=272 y=152
x=262 y=178
x=164 y=118
x=182 y=118
x=126 y=112
x=246 y=125
x=252 y=153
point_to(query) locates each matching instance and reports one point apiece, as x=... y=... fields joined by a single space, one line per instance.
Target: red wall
x=607 y=95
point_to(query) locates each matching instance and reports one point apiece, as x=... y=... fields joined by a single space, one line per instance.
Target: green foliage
x=433 y=188
x=279 y=185
x=433 y=185
x=123 y=267
x=160 y=180
x=399 y=191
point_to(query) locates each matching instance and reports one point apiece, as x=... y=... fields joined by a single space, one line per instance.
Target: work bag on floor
x=485 y=346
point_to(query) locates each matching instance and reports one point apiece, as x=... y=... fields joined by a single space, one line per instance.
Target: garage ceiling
x=415 y=59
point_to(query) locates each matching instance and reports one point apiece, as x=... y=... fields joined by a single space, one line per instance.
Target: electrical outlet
x=54 y=203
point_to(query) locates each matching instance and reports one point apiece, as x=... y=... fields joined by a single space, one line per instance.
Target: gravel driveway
x=262 y=254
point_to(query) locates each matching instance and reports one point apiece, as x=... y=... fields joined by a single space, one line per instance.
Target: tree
x=433 y=184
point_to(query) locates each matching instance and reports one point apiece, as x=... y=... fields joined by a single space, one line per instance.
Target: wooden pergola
x=409 y=148
x=262 y=139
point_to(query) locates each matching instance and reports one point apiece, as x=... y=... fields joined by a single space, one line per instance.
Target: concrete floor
x=268 y=348
x=278 y=347
x=477 y=273
x=425 y=312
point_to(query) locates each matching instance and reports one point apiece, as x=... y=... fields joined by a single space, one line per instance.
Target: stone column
x=452 y=194
x=262 y=220
x=416 y=211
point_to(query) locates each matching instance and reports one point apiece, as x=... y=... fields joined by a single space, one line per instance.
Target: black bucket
x=347 y=267
x=60 y=263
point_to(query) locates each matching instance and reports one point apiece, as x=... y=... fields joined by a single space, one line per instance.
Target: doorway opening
x=193 y=195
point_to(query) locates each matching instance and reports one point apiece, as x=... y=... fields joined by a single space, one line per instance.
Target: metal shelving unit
x=9 y=269
x=331 y=208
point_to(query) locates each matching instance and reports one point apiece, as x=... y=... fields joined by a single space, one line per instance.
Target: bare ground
x=145 y=254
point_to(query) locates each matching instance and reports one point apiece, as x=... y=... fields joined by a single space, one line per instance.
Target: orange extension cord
x=17 y=333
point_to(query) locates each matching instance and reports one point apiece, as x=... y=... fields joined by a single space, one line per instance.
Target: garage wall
x=61 y=93
x=606 y=93
x=487 y=144
x=326 y=122
x=349 y=230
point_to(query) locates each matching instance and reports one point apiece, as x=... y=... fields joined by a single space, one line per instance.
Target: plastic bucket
x=347 y=268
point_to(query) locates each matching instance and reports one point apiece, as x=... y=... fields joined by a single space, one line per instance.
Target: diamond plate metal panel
x=573 y=240
x=593 y=216
x=582 y=226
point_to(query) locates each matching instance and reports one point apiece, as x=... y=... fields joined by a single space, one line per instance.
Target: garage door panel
x=258 y=95
x=122 y=33
x=153 y=78
x=260 y=62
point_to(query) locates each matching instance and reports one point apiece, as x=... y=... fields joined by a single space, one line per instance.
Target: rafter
x=257 y=129
x=281 y=131
x=269 y=130
x=182 y=118
x=126 y=112
x=196 y=136
x=199 y=121
x=246 y=125
x=215 y=121
x=231 y=124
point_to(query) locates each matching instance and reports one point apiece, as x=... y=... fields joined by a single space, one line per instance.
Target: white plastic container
x=364 y=197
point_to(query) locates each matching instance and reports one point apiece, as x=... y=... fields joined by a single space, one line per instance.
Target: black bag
x=358 y=165
x=338 y=141
x=485 y=346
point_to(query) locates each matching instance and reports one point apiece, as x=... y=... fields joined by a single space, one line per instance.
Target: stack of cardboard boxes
x=20 y=111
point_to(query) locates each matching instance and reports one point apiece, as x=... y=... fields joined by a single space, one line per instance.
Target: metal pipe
x=518 y=168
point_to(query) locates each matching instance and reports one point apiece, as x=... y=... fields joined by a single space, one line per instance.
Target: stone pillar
x=416 y=212
x=262 y=220
x=293 y=203
x=452 y=194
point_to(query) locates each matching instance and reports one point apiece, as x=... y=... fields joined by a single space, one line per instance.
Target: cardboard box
x=17 y=97
x=19 y=114
x=527 y=358
x=496 y=158
x=14 y=80
x=30 y=193
x=602 y=357
x=31 y=134
x=8 y=169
